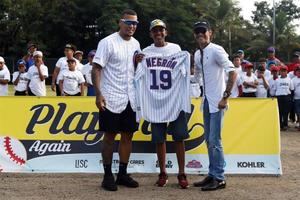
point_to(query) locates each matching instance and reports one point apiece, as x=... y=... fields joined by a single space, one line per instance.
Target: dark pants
x=250 y=94
x=284 y=104
x=18 y=93
x=30 y=93
x=58 y=93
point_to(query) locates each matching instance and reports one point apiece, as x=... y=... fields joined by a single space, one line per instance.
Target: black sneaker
x=204 y=182
x=214 y=185
x=127 y=181
x=109 y=183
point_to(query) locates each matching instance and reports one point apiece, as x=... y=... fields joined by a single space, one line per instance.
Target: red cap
x=274 y=68
x=283 y=67
x=248 y=65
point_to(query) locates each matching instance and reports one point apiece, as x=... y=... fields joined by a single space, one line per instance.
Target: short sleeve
x=58 y=63
x=103 y=53
x=80 y=77
x=292 y=85
x=45 y=71
x=15 y=76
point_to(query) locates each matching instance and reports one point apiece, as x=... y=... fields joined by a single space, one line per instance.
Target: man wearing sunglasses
x=211 y=61
x=112 y=77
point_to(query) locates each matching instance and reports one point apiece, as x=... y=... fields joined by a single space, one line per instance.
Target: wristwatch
x=226 y=94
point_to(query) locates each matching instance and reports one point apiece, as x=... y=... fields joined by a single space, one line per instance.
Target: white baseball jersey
x=23 y=81
x=162 y=86
x=87 y=72
x=248 y=79
x=62 y=64
x=296 y=84
x=261 y=91
x=283 y=86
x=4 y=75
x=71 y=81
x=194 y=87
x=167 y=50
x=37 y=86
x=115 y=56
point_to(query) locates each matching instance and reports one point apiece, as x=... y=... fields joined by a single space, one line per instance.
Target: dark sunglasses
x=200 y=30
x=129 y=22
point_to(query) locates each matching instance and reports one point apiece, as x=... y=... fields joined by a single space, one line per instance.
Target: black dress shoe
x=109 y=183
x=214 y=185
x=204 y=182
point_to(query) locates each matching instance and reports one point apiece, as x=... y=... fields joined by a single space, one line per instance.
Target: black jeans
x=284 y=105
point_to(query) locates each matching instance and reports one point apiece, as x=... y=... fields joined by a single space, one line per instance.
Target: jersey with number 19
x=162 y=86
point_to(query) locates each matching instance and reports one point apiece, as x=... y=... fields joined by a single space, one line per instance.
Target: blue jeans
x=212 y=131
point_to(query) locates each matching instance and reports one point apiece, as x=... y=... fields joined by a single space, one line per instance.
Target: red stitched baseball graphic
x=9 y=150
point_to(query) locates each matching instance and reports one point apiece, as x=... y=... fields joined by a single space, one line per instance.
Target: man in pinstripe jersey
x=112 y=77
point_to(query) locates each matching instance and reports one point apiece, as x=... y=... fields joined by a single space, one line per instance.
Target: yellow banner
x=250 y=126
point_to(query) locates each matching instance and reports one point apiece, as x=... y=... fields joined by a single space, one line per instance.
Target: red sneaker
x=162 y=180
x=182 y=181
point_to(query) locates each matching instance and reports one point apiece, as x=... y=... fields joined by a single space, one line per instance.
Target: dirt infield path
x=86 y=186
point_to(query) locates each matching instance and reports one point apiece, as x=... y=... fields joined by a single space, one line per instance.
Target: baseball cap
x=248 y=65
x=38 y=53
x=261 y=68
x=283 y=67
x=274 y=68
x=271 y=49
x=78 y=52
x=297 y=67
x=202 y=24
x=29 y=45
x=240 y=51
x=157 y=22
x=92 y=53
x=70 y=46
x=2 y=59
x=296 y=54
x=21 y=62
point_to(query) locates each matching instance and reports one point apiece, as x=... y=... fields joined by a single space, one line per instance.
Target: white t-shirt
x=283 y=86
x=62 y=64
x=4 y=75
x=272 y=86
x=115 y=56
x=166 y=50
x=194 y=88
x=238 y=83
x=261 y=91
x=249 y=79
x=87 y=72
x=296 y=84
x=23 y=81
x=37 y=86
x=267 y=74
x=291 y=75
x=71 y=81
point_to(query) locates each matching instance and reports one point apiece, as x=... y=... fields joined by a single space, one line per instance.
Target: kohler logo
x=251 y=165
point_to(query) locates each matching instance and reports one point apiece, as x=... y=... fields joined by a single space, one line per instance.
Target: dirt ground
x=87 y=186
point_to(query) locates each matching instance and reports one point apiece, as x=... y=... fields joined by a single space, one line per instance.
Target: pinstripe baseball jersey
x=162 y=86
x=115 y=56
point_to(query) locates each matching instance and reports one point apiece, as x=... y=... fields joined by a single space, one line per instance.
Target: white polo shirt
x=62 y=64
x=23 y=81
x=71 y=81
x=37 y=86
x=4 y=75
x=215 y=63
x=115 y=56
